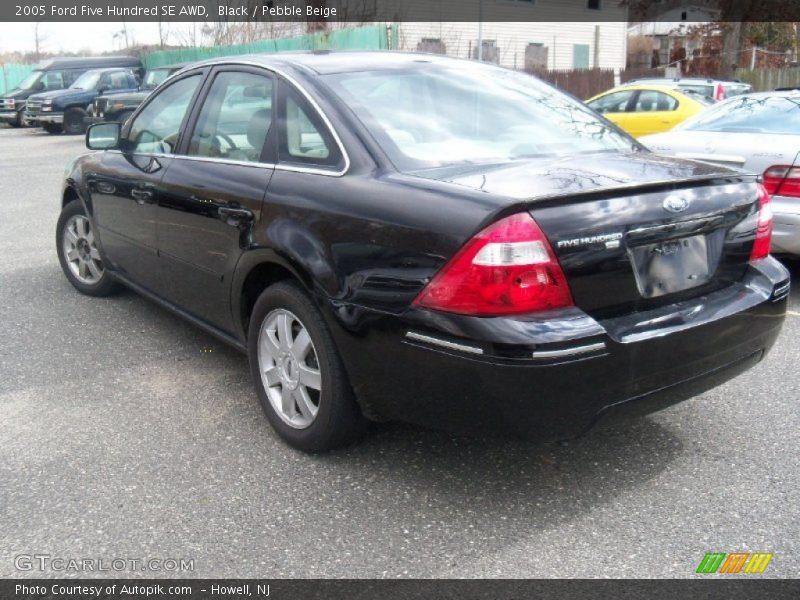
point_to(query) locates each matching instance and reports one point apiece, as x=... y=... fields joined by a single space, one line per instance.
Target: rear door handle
x=235 y=216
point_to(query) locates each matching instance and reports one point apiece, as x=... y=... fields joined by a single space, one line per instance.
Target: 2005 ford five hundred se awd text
x=398 y=236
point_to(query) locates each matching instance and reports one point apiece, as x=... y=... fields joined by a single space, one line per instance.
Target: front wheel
x=299 y=377
x=73 y=121
x=78 y=255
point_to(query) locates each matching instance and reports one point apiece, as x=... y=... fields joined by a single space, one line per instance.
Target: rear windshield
x=750 y=114
x=441 y=116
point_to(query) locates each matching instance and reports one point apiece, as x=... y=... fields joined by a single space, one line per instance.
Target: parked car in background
x=56 y=74
x=713 y=89
x=525 y=266
x=644 y=109
x=759 y=133
x=120 y=106
x=66 y=109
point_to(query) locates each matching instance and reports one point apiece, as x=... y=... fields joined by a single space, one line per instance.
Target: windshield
x=87 y=81
x=750 y=114
x=30 y=81
x=154 y=78
x=439 y=116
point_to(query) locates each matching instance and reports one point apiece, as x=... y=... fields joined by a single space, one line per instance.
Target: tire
x=19 y=121
x=338 y=420
x=52 y=128
x=78 y=256
x=73 y=121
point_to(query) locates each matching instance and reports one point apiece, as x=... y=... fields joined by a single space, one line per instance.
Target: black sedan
x=403 y=236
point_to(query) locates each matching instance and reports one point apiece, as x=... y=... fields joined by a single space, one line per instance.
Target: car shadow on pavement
x=402 y=492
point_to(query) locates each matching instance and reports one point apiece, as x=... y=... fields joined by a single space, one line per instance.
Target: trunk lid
x=634 y=231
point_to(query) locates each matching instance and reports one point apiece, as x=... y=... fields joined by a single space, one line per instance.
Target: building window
x=580 y=56
x=593 y=4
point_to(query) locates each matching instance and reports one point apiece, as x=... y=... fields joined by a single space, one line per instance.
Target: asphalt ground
x=127 y=433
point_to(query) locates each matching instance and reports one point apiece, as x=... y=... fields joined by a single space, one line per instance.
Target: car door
x=652 y=111
x=213 y=192
x=124 y=190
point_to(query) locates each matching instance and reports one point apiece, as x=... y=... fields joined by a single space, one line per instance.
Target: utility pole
x=753 y=59
x=480 y=30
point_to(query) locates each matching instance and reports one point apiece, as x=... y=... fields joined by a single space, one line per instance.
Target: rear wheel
x=78 y=255
x=298 y=374
x=73 y=121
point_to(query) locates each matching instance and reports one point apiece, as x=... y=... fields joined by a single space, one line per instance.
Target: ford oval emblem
x=676 y=204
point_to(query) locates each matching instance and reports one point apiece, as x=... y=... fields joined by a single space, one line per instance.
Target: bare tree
x=39 y=39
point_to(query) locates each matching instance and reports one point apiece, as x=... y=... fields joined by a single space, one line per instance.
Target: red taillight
x=782 y=180
x=764 y=228
x=508 y=268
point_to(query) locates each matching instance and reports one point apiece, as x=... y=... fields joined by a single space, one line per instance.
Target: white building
x=544 y=42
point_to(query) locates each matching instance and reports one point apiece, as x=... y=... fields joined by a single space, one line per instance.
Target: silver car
x=759 y=133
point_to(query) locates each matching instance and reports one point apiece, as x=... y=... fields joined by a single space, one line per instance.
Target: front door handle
x=142 y=196
x=235 y=216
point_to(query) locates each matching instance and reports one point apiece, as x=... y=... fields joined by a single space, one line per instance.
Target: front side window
x=654 y=101
x=156 y=129
x=616 y=102
x=118 y=81
x=53 y=80
x=155 y=78
x=87 y=81
x=235 y=119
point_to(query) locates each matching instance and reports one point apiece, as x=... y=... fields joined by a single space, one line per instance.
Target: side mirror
x=102 y=89
x=103 y=136
x=39 y=86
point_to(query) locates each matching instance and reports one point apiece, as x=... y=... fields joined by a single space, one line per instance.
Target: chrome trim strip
x=278 y=167
x=570 y=351
x=413 y=335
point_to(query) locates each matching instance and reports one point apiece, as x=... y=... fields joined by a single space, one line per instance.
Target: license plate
x=672 y=266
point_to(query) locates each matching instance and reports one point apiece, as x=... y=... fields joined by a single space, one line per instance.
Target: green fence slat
x=11 y=74
x=371 y=37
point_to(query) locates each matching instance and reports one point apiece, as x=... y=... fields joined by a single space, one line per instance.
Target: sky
x=73 y=37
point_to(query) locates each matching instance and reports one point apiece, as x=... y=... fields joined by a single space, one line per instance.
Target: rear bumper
x=786 y=233
x=555 y=376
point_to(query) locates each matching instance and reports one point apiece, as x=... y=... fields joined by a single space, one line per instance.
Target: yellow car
x=645 y=109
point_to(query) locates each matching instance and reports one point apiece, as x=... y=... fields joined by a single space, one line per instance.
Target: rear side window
x=304 y=139
x=156 y=129
x=652 y=101
x=235 y=119
x=612 y=103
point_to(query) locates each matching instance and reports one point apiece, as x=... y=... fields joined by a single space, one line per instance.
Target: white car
x=759 y=133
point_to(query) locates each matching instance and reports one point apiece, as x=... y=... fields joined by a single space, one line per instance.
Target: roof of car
x=648 y=86
x=327 y=62
x=88 y=61
x=109 y=70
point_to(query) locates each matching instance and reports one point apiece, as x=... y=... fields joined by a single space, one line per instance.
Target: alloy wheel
x=289 y=368
x=80 y=250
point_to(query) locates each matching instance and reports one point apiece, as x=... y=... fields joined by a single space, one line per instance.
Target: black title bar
x=365 y=11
